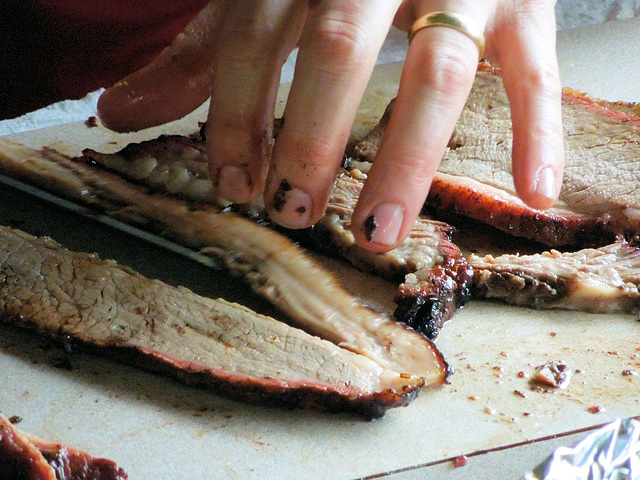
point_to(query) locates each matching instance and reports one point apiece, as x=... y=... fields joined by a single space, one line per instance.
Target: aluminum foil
x=609 y=453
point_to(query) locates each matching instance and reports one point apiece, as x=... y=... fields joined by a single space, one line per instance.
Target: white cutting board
x=158 y=429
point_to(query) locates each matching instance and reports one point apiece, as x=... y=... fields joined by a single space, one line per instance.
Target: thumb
x=170 y=87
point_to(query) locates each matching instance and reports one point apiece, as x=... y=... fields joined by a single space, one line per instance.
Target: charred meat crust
x=24 y=456
x=429 y=298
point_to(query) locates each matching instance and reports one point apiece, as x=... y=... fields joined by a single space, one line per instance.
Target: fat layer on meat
x=106 y=306
x=173 y=164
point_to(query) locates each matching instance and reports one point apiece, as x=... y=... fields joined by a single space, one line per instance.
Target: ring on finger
x=456 y=21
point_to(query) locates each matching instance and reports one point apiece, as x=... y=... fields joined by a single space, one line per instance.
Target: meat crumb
x=629 y=372
x=473 y=397
x=519 y=393
x=595 y=409
x=489 y=411
x=522 y=374
x=553 y=374
x=460 y=461
x=15 y=419
x=357 y=174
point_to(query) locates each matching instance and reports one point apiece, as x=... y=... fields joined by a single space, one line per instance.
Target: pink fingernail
x=384 y=224
x=545 y=183
x=234 y=184
x=293 y=206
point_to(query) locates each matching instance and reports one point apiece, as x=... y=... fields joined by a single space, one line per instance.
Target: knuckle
x=543 y=78
x=341 y=43
x=446 y=70
x=312 y=150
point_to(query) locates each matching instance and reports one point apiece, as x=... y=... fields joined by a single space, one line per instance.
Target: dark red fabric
x=52 y=50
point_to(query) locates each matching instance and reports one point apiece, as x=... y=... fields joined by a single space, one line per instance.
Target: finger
x=437 y=76
x=171 y=86
x=337 y=54
x=255 y=39
x=527 y=55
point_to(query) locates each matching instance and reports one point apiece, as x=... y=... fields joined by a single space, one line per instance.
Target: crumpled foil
x=609 y=453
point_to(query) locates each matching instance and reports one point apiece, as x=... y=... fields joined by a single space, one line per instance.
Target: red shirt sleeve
x=61 y=49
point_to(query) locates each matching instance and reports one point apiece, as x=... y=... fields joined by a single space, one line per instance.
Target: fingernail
x=384 y=224
x=234 y=184
x=545 y=183
x=293 y=206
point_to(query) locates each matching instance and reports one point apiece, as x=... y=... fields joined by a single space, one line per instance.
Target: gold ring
x=452 y=20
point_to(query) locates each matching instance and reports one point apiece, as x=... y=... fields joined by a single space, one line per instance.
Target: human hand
x=234 y=51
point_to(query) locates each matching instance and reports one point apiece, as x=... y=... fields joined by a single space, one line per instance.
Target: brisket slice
x=26 y=457
x=600 y=197
x=178 y=169
x=238 y=352
x=604 y=280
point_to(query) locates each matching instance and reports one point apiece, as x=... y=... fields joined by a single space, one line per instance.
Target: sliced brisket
x=110 y=308
x=603 y=280
x=600 y=198
x=147 y=163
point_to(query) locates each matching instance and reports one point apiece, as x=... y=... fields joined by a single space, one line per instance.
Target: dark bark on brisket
x=24 y=456
x=429 y=298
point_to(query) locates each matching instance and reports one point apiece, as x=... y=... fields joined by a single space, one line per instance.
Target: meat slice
x=176 y=169
x=26 y=457
x=604 y=280
x=600 y=198
x=238 y=352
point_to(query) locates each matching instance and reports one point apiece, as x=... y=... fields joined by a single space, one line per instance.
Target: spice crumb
x=490 y=411
x=595 y=409
x=91 y=122
x=629 y=372
x=519 y=393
